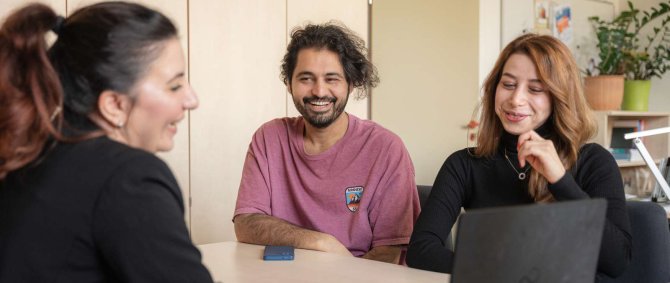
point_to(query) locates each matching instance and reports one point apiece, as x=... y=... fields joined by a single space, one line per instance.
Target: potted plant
x=623 y=52
x=649 y=55
x=604 y=89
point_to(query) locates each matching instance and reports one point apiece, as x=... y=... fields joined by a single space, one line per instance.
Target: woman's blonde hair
x=571 y=122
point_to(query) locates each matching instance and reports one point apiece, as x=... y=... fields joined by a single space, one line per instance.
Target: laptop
x=557 y=242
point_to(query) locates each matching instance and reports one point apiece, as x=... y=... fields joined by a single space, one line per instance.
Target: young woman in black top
x=82 y=196
x=531 y=147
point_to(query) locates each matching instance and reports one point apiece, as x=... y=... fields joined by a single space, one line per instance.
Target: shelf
x=658 y=146
x=628 y=114
x=626 y=163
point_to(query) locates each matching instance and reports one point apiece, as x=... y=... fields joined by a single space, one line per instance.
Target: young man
x=327 y=180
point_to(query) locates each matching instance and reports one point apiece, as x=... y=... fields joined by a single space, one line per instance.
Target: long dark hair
x=106 y=46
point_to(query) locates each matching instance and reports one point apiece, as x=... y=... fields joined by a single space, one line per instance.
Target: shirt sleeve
x=254 y=193
x=427 y=248
x=139 y=226
x=599 y=176
x=396 y=202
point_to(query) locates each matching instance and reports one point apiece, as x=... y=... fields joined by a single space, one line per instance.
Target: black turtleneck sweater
x=470 y=182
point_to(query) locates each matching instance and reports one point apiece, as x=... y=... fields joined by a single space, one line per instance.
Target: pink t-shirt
x=361 y=190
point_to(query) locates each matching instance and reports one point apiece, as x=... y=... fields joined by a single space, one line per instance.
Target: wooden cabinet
x=9 y=6
x=236 y=47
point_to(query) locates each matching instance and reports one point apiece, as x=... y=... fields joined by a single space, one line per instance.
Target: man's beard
x=321 y=120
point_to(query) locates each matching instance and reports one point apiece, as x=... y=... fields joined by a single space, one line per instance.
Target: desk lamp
x=647 y=158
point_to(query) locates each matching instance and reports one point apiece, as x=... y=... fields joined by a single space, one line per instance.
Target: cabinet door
x=352 y=13
x=178 y=157
x=236 y=49
x=9 y=6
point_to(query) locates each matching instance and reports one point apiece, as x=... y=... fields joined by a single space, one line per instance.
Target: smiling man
x=327 y=180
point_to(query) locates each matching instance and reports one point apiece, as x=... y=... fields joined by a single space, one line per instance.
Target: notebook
x=556 y=242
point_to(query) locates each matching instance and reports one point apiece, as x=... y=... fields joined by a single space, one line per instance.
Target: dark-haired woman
x=532 y=147
x=82 y=196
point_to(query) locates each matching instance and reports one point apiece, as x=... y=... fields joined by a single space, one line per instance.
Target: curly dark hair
x=350 y=48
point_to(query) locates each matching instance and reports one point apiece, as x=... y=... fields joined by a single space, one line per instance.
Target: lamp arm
x=647 y=133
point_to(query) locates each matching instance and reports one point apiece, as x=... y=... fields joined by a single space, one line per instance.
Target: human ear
x=114 y=107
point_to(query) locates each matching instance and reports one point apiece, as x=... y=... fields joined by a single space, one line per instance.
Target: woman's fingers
x=541 y=154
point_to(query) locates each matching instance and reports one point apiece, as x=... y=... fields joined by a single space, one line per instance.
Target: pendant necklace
x=522 y=175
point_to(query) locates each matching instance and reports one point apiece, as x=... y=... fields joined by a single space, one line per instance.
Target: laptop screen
x=556 y=242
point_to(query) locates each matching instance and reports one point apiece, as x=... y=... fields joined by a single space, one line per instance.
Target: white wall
x=518 y=18
x=427 y=54
x=489 y=37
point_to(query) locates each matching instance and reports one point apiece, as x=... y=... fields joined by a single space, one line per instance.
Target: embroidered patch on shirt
x=353 y=197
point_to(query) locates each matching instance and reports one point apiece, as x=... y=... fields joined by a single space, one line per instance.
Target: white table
x=233 y=262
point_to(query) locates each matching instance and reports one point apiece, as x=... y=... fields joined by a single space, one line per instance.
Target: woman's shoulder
x=105 y=149
x=87 y=168
x=102 y=156
x=594 y=156
x=464 y=155
x=464 y=158
x=593 y=148
x=124 y=170
x=594 y=151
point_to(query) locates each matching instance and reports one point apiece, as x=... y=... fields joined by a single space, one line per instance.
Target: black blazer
x=95 y=211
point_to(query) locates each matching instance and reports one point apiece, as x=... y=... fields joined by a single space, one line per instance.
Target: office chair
x=424 y=192
x=650 y=261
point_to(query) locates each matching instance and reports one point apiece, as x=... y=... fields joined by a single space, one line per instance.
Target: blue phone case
x=278 y=253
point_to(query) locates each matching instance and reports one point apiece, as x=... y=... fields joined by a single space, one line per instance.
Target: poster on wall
x=562 y=26
x=541 y=15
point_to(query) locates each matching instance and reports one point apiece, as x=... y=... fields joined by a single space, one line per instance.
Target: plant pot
x=636 y=95
x=604 y=92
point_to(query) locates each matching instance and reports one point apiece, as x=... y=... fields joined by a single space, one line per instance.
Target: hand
x=330 y=244
x=542 y=156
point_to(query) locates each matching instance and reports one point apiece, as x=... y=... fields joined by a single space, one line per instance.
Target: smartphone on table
x=278 y=253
